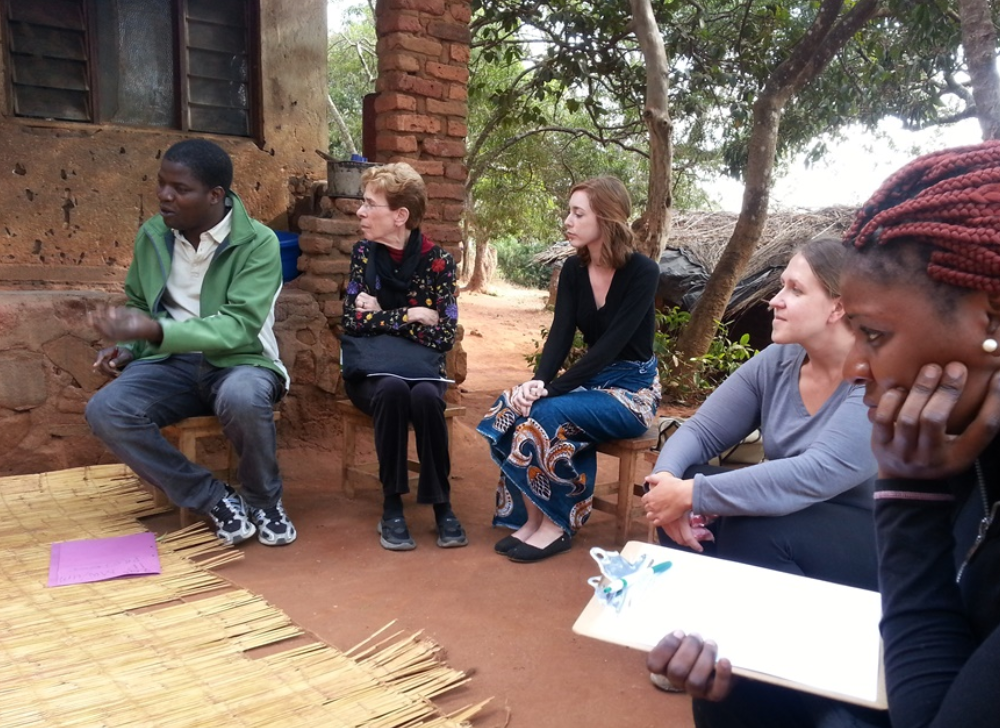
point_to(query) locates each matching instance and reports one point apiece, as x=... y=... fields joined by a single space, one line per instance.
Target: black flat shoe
x=506 y=544
x=525 y=553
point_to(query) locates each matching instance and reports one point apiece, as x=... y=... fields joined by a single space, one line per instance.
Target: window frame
x=181 y=121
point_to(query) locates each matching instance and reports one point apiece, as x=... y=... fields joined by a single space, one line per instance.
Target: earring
x=990 y=345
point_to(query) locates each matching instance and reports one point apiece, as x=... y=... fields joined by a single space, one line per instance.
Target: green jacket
x=237 y=295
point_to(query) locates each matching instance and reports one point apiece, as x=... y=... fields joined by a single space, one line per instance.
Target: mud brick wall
x=72 y=194
x=47 y=377
x=48 y=245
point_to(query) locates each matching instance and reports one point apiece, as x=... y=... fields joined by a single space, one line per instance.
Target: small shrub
x=515 y=264
x=577 y=350
x=723 y=358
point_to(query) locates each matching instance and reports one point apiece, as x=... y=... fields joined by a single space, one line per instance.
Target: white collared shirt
x=187 y=272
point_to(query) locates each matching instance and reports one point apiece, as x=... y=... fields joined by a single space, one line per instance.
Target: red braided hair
x=949 y=200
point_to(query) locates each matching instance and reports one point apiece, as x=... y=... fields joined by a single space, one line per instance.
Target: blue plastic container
x=289 y=254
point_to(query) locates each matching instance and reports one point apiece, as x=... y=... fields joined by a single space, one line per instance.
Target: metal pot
x=344 y=178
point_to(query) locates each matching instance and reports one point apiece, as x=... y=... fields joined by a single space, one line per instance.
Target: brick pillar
x=421 y=110
x=422 y=103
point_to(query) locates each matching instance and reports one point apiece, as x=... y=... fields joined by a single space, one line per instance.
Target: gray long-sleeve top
x=809 y=458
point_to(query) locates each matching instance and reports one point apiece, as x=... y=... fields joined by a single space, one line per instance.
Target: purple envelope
x=99 y=559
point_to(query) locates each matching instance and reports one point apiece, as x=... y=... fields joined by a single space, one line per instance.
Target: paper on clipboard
x=790 y=630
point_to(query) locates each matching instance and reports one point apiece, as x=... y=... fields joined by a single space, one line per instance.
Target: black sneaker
x=273 y=526
x=394 y=534
x=232 y=525
x=451 y=535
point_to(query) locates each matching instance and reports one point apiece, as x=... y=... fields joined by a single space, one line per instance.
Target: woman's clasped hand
x=524 y=395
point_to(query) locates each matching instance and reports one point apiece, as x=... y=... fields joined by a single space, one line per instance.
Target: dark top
x=942 y=645
x=433 y=286
x=622 y=329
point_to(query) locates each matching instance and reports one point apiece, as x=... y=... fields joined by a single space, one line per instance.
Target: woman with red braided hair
x=922 y=291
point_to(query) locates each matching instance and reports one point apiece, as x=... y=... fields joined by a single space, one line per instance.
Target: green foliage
x=723 y=358
x=351 y=74
x=526 y=150
x=515 y=264
x=905 y=63
x=577 y=350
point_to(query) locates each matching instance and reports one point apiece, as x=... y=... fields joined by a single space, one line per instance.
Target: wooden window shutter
x=49 y=58
x=216 y=67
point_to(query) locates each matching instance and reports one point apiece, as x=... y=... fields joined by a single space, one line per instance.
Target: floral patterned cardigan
x=433 y=286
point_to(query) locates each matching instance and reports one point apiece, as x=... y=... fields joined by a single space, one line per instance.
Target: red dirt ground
x=507 y=625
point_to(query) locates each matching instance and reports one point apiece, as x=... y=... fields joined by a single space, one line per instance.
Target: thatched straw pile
x=705 y=234
x=172 y=649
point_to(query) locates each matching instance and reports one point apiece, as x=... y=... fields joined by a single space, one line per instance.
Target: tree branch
x=338 y=120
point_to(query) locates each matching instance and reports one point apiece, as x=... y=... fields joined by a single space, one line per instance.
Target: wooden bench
x=352 y=472
x=616 y=497
x=186 y=434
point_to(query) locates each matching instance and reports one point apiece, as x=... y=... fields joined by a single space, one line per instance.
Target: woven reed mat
x=171 y=649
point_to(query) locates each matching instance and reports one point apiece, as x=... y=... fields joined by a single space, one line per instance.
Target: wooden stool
x=186 y=433
x=632 y=468
x=351 y=471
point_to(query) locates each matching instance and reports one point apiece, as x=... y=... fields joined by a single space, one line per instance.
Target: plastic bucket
x=290 y=250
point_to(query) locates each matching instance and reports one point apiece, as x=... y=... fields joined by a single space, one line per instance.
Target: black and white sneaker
x=273 y=526
x=232 y=525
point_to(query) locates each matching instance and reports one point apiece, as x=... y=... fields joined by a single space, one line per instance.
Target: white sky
x=852 y=169
x=849 y=173
x=335 y=12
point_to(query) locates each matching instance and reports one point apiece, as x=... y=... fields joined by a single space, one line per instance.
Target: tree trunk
x=979 y=40
x=656 y=115
x=696 y=338
x=480 y=279
x=338 y=120
x=813 y=52
x=467 y=257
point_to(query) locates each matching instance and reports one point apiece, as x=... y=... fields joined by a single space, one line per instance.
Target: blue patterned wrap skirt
x=549 y=456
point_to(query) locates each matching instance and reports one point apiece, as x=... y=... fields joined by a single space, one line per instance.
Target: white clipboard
x=779 y=628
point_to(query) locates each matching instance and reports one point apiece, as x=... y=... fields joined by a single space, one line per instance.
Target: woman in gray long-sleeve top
x=807 y=509
x=815 y=485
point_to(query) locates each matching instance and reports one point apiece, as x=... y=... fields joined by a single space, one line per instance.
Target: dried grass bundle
x=142 y=651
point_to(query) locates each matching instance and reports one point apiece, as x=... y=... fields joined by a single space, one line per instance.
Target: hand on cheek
x=910 y=436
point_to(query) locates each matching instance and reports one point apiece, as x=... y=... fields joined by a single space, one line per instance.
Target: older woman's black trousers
x=394 y=404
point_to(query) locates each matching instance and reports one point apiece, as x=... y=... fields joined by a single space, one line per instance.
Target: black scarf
x=389 y=282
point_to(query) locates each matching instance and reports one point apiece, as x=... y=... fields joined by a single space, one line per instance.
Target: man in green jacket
x=195 y=338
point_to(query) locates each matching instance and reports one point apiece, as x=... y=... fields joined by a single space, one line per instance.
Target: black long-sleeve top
x=942 y=645
x=621 y=329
